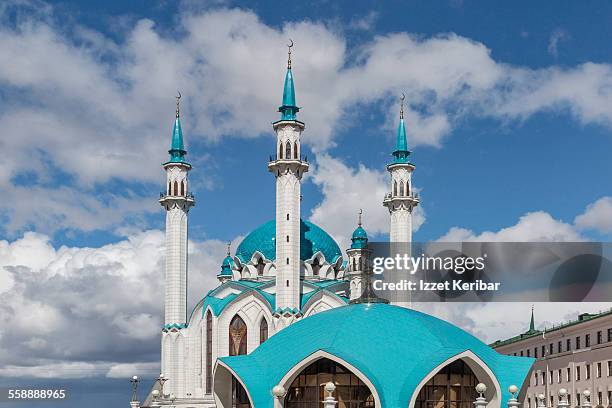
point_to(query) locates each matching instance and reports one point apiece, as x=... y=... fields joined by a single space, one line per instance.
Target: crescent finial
x=289 y=57
x=178 y=107
x=402 y=105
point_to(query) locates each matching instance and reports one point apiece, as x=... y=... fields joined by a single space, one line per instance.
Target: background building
x=576 y=356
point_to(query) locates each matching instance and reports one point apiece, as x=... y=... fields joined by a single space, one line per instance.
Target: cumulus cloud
x=346 y=190
x=102 y=101
x=597 y=216
x=77 y=312
x=532 y=227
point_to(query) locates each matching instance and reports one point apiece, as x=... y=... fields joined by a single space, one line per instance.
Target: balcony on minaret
x=166 y=199
x=410 y=200
x=282 y=163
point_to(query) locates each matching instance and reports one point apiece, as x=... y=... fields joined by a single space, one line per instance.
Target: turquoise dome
x=312 y=240
x=359 y=238
x=226 y=266
x=394 y=347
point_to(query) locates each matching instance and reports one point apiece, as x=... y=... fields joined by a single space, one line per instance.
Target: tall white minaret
x=177 y=201
x=400 y=202
x=288 y=168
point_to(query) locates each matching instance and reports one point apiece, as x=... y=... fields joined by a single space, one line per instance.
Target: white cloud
x=597 y=216
x=534 y=226
x=346 y=190
x=113 y=295
x=556 y=37
x=100 y=101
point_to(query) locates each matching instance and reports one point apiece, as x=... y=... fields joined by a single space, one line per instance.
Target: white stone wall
x=400 y=229
x=288 y=192
x=176 y=266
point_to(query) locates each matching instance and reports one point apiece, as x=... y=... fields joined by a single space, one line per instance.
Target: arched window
x=169 y=188
x=208 y=352
x=452 y=387
x=263 y=330
x=237 y=336
x=260 y=266
x=407 y=189
x=280 y=151
x=316 y=267
x=295 y=150
x=394 y=188
x=175 y=188
x=288 y=150
x=401 y=189
x=354 y=264
x=307 y=390
x=182 y=188
x=240 y=399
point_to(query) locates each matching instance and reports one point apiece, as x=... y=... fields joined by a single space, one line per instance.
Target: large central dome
x=312 y=240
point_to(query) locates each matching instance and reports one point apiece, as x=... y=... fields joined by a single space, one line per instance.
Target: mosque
x=291 y=314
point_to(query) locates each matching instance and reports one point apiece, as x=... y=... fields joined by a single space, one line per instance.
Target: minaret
x=288 y=168
x=358 y=255
x=401 y=200
x=177 y=201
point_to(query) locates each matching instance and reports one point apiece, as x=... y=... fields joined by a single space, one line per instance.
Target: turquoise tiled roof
x=177 y=148
x=226 y=266
x=359 y=239
x=288 y=109
x=394 y=347
x=312 y=240
x=401 y=153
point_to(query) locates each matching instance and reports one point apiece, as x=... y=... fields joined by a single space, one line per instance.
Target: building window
x=295 y=150
x=307 y=390
x=609 y=334
x=550 y=377
x=208 y=352
x=175 y=188
x=535 y=352
x=609 y=397
x=543 y=376
x=599 y=337
x=288 y=150
x=559 y=347
x=578 y=343
x=240 y=399
x=610 y=368
x=395 y=188
x=568 y=374
x=287 y=261
x=401 y=189
x=550 y=349
x=287 y=238
x=316 y=267
x=599 y=370
x=237 y=336
x=588 y=371
x=528 y=402
x=543 y=351
x=528 y=353
x=578 y=399
x=280 y=151
x=263 y=330
x=451 y=387
x=568 y=346
x=287 y=217
x=521 y=353
x=559 y=376
x=599 y=398
x=577 y=373
x=535 y=375
x=587 y=340
x=260 y=267
x=552 y=400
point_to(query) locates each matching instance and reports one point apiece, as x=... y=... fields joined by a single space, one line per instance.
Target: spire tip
x=402 y=105
x=290 y=45
x=178 y=106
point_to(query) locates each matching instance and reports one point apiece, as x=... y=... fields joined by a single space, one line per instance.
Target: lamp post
x=513 y=402
x=481 y=401
x=330 y=401
x=134 y=401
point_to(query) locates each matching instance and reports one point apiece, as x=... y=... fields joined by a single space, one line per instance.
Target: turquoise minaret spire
x=289 y=109
x=401 y=153
x=177 y=148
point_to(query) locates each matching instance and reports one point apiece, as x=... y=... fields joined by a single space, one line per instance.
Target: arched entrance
x=451 y=387
x=307 y=389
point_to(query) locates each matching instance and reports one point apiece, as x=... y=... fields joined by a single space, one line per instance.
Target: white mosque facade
x=289 y=314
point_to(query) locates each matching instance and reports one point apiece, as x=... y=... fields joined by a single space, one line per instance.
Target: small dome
x=359 y=238
x=312 y=240
x=226 y=266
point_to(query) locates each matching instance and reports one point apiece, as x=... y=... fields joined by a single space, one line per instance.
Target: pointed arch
x=401 y=192
x=288 y=150
x=295 y=150
x=169 y=188
x=280 y=151
x=394 y=188
x=263 y=330
x=237 y=336
x=407 y=188
x=182 y=187
x=175 y=192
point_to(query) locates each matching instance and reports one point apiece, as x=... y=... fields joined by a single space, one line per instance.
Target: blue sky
x=509 y=116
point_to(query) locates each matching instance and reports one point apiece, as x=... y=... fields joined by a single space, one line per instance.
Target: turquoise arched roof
x=312 y=240
x=395 y=348
x=226 y=266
